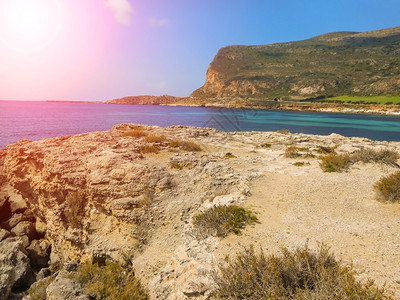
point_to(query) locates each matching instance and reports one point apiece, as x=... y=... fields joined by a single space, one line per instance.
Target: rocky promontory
x=131 y=194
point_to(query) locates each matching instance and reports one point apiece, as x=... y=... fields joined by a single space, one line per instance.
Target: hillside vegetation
x=333 y=64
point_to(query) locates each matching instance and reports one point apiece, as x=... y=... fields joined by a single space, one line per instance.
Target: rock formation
x=333 y=64
x=131 y=193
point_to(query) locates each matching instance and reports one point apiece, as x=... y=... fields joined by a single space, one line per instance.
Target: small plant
x=185 y=145
x=283 y=131
x=292 y=152
x=149 y=149
x=334 y=162
x=176 y=165
x=110 y=282
x=266 y=145
x=229 y=155
x=301 y=274
x=74 y=209
x=221 y=220
x=155 y=139
x=325 y=149
x=383 y=156
x=389 y=187
x=138 y=132
x=299 y=163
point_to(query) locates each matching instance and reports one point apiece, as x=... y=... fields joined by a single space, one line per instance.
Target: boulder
x=4 y=234
x=65 y=289
x=25 y=228
x=15 y=270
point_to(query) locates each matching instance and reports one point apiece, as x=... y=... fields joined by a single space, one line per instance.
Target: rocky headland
x=132 y=194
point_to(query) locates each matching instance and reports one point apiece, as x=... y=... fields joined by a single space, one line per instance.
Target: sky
x=97 y=50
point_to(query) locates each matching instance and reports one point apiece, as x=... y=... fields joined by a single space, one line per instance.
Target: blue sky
x=107 y=49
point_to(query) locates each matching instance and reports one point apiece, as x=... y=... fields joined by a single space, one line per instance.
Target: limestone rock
x=39 y=253
x=15 y=270
x=63 y=288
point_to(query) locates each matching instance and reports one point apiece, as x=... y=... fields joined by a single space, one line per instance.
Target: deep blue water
x=37 y=120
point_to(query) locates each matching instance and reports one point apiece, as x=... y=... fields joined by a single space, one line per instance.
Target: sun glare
x=27 y=25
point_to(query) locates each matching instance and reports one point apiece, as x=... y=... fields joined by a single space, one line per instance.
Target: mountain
x=145 y=100
x=333 y=64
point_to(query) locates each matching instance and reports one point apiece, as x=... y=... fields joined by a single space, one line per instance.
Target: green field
x=366 y=99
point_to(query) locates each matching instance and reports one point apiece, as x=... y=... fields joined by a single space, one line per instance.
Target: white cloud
x=159 y=22
x=122 y=10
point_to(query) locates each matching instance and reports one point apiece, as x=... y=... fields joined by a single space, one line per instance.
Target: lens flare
x=29 y=25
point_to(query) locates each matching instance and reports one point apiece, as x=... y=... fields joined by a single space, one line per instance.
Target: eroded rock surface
x=105 y=194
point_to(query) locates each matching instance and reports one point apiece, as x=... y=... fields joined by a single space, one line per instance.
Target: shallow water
x=37 y=120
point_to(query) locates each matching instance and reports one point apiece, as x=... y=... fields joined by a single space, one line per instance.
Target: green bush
x=300 y=274
x=266 y=145
x=334 y=162
x=389 y=187
x=221 y=220
x=175 y=165
x=229 y=155
x=110 y=282
x=325 y=150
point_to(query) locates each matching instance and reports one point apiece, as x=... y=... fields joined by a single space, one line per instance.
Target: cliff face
x=334 y=64
x=107 y=194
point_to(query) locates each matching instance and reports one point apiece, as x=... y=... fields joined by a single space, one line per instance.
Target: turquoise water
x=37 y=120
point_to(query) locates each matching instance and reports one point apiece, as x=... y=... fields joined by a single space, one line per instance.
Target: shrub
x=389 y=187
x=37 y=291
x=292 y=152
x=299 y=163
x=155 y=139
x=137 y=133
x=300 y=274
x=325 y=150
x=266 y=145
x=221 y=220
x=185 y=145
x=149 y=149
x=110 y=282
x=334 y=162
x=283 y=131
x=175 y=165
x=383 y=156
x=229 y=155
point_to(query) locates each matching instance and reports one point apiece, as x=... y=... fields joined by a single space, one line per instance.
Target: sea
x=35 y=120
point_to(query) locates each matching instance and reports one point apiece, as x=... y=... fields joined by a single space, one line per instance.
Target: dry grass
x=110 y=282
x=155 y=138
x=185 y=145
x=149 y=149
x=292 y=152
x=388 y=187
x=222 y=220
x=136 y=133
x=300 y=274
x=334 y=162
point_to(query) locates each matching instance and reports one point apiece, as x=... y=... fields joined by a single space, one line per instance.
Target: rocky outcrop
x=146 y=100
x=131 y=194
x=334 y=64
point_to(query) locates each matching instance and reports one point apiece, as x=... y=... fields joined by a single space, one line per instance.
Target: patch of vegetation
x=292 y=152
x=229 y=155
x=301 y=274
x=175 y=165
x=185 y=145
x=149 y=149
x=266 y=145
x=383 y=156
x=155 y=138
x=283 y=131
x=138 y=132
x=367 y=99
x=110 y=282
x=388 y=187
x=334 y=162
x=300 y=163
x=74 y=209
x=325 y=149
x=221 y=220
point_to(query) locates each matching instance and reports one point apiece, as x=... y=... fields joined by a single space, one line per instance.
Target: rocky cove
x=131 y=194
